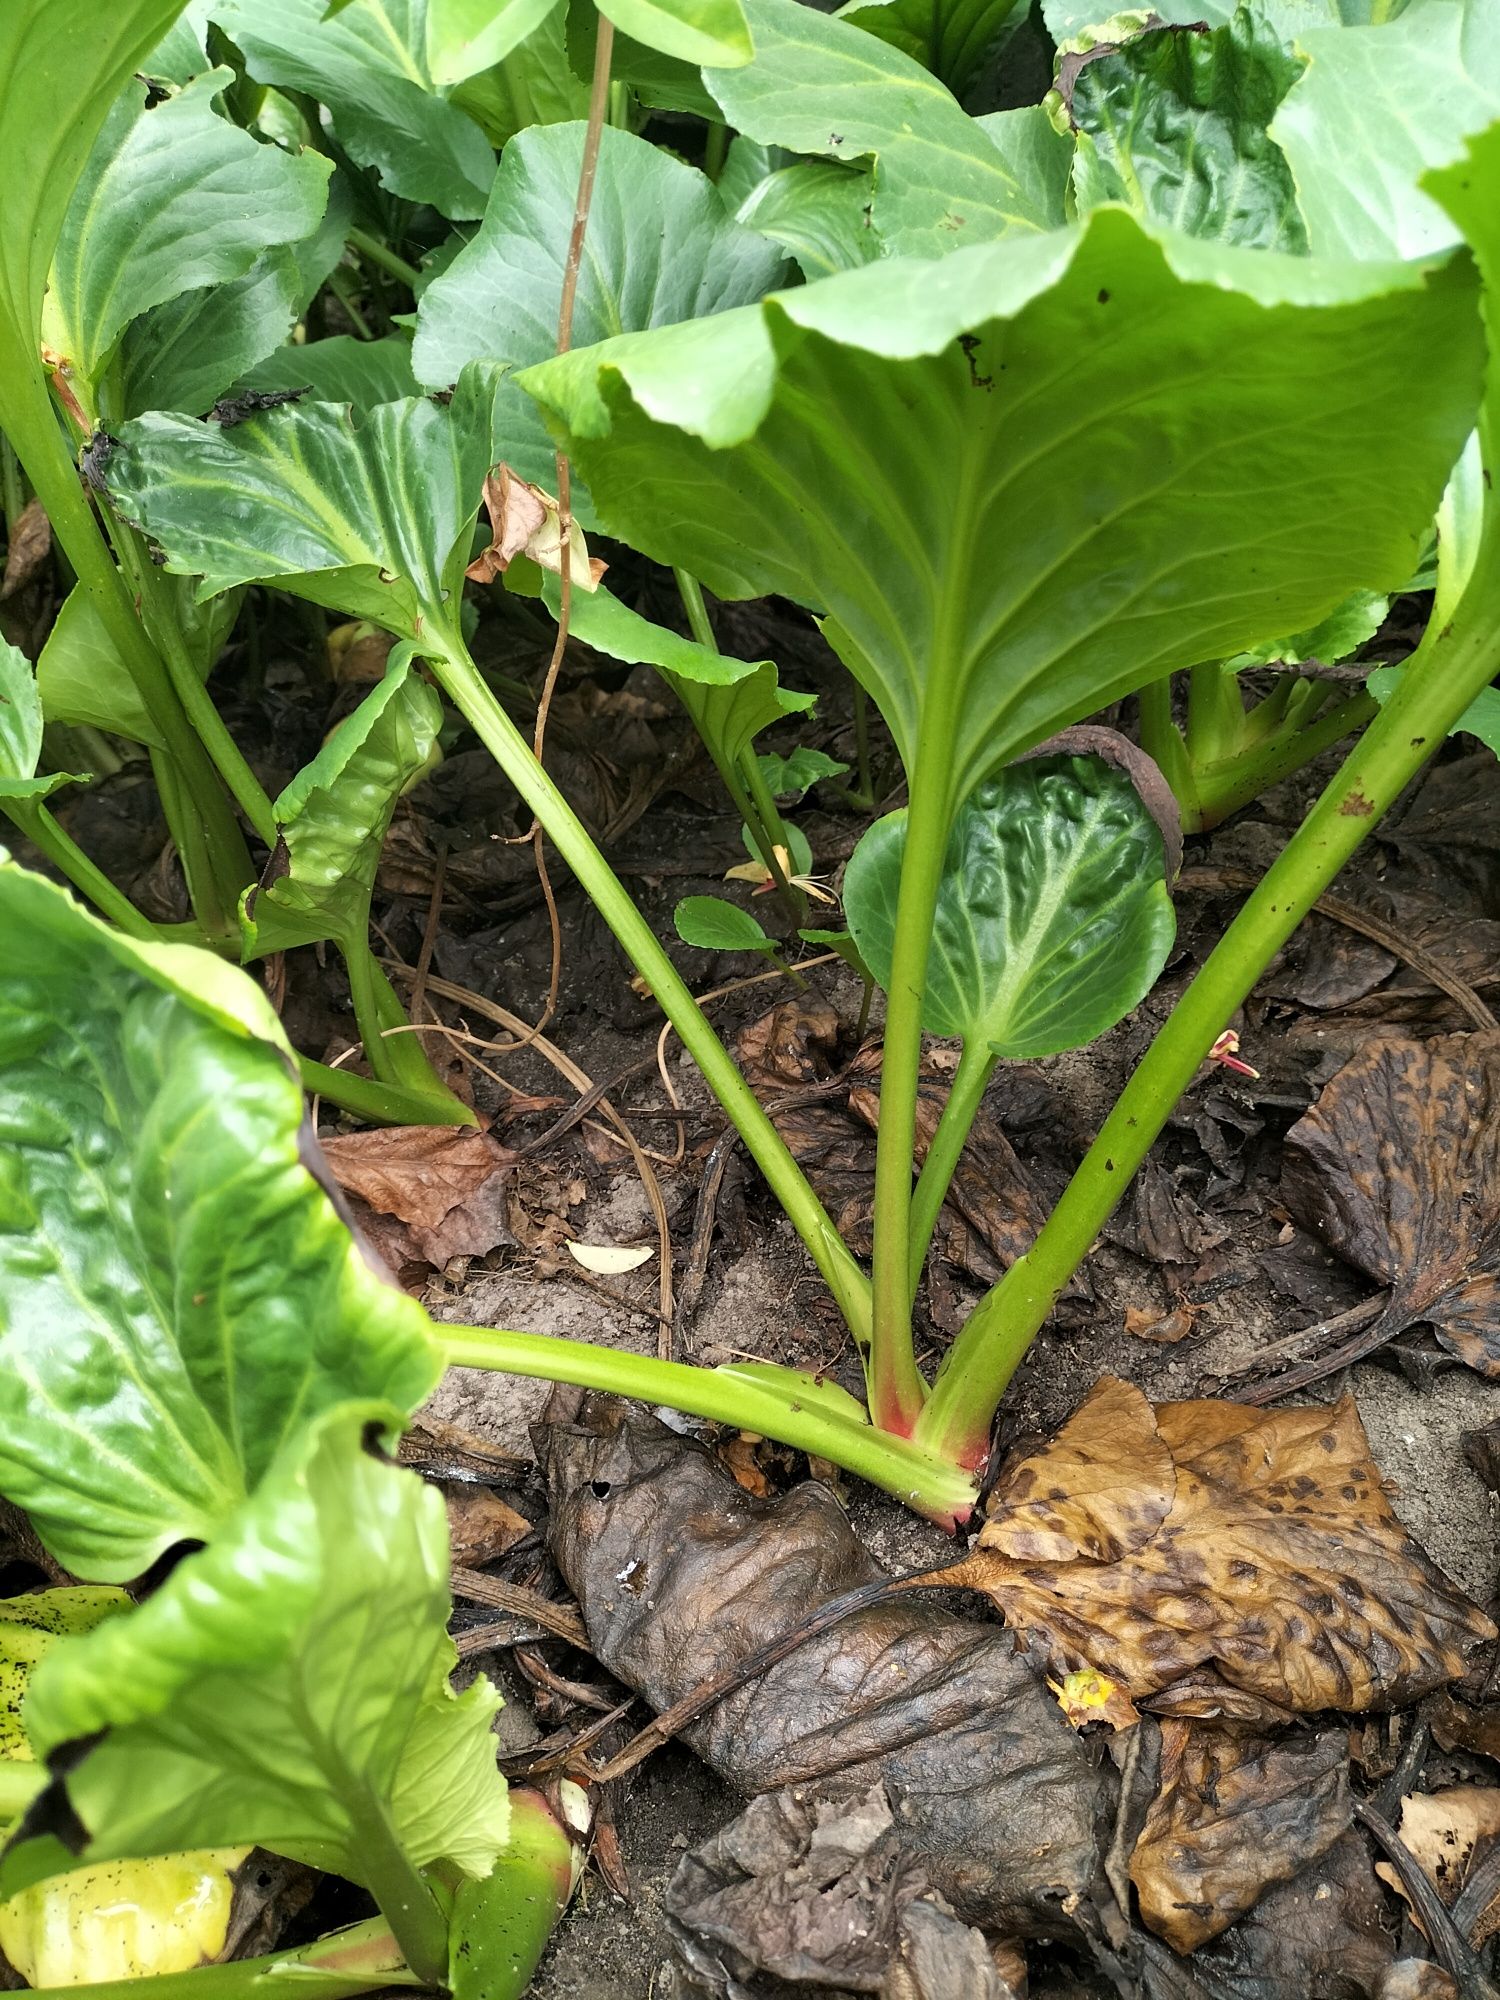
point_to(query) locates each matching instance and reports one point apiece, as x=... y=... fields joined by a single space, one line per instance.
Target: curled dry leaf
x=1152 y=1542
x=1447 y=1832
x=525 y=520
x=443 y=1185
x=679 y=1574
x=1397 y=1168
x=29 y=547
x=1234 y=1814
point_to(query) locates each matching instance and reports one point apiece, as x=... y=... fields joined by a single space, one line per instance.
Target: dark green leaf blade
x=949 y=37
x=1053 y=919
x=179 y=1294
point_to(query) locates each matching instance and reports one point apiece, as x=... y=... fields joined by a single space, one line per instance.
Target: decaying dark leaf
x=1448 y=1832
x=445 y=1185
x=526 y=520
x=29 y=547
x=679 y=1573
x=1418 y=1979
x=481 y=1526
x=1397 y=1167
x=1322 y=1935
x=1234 y=1814
x=1152 y=1542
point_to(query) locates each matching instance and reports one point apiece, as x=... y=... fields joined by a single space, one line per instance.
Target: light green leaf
x=694 y=31
x=287 y=1687
x=1174 y=123
x=179 y=1294
x=1053 y=919
x=664 y=83
x=333 y=817
x=713 y=924
x=186 y=353
x=21 y=730
x=1290 y=19
x=841 y=945
x=30 y=1626
x=798 y=852
x=172 y=199
x=535 y=85
x=819 y=85
x=819 y=211
x=791 y=777
x=81 y=678
x=949 y=37
x=746 y=164
x=340 y=369
x=1377 y=106
x=498 y=300
x=368 y=64
x=1036 y=155
x=467 y=36
x=1346 y=628
x=1481 y=718
x=1033 y=479
x=370 y=514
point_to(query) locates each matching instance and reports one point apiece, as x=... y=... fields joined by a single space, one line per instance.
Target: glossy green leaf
x=369 y=65
x=467 y=36
x=792 y=776
x=186 y=353
x=81 y=678
x=952 y=38
x=1378 y=106
x=694 y=31
x=819 y=211
x=179 y=1293
x=820 y=85
x=31 y=1625
x=1174 y=123
x=534 y=85
x=21 y=730
x=1053 y=919
x=1029 y=483
x=173 y=198
x=340 y=369
x=498 y=300
x=714 y=924
x=370 y=513
x=1346 y=628
x=333 y=817
x=841 y=945
x=287 y=1687
x=731 y=701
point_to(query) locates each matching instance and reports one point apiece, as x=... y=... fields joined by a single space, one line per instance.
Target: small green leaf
x=952 y=38
x=1173 y=123
x=842 y=945
x=30 y=1626
x=1481 y=718
x=791 y=777
x=498 y=300
x=81 y=678
x=21 y=730
x=286 y=1687
x=820 y=85
x=818 y=210
x=172 y=199
x=333 y=817
x=467 y=36
x=179 y=1294
x=369 y=65
x=1053 y=919
x=713 y=924
x=694 y=31
x=340 y=369
x=1346 y=628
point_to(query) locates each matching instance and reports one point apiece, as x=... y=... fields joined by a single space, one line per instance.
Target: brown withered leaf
x=526 y=520
x=1087 y=1697
x=1447 y=1831
x=1261 y=1542
x=481 y=1526
x=1417 y=1979
x=443 y=1184
x=1397 y=1168
x=1142 y=1323
x=29 y=547
x=1234 y=1814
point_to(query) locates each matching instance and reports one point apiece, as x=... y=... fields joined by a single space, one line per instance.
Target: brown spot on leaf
x=1357 y=806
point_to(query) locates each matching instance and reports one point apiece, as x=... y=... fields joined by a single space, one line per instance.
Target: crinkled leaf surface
x=1173 y=123
x=172 y=199
x=819 y=211
x=1261 y=1541
x=498 y=300
x=949 y=37
x=1053 y=918
x=286 y=1687
x=30 y=1626
x=369 y=65
x=713 y=924
x=333 y=817
x=692 y=31
x=1378 y=106
x=1039 y=474
x=368 y=512
x=1397 y=1168
x=821 y=85
x=21 y=730
x=179 y=1294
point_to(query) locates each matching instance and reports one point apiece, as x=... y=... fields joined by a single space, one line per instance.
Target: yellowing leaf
x=1087 y=1696
x=526 y=520
x=607 y=1260
x=122 y=1920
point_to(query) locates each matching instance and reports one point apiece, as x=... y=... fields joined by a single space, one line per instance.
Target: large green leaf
x=949 y=37
x=172 y=199
x=369 y=513
x=467 y=36
x=287 y=1687
x=21 y=730
x=179 y=1294
x=340 y=369
x=1378 y=106
x=498 y=300
x=534 y=85
x=332 y=818
x=1029 y=480
x=820 y=85
x=369 y=64
x=692 y=31
x=1174 y=123
x=1053 y=918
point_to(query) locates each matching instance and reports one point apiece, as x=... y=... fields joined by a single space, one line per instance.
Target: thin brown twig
x=561 y=1620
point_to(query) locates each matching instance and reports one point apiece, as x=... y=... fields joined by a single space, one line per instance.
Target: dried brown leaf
x=29 y=547
x=1276 y=1557
x=481 y=1526
x=1446 y=1831
x=1234 y=1814
x=1397 y=1168
x=445 y=1186
x=526 y=520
